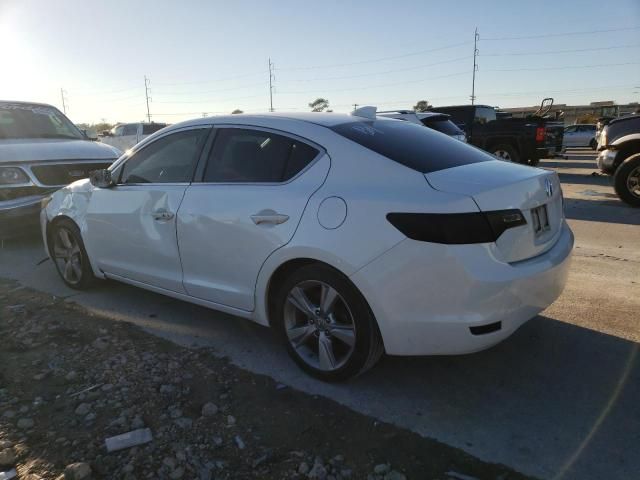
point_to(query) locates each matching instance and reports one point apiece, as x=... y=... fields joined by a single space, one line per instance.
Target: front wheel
x=69 y=255
x=506 y=152
x=626 y=181
x=326 y=324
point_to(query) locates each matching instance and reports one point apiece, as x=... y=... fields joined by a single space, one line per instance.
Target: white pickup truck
x=125 y=135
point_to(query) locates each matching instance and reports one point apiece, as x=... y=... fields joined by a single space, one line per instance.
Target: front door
x=252 y=195
x=131 y=227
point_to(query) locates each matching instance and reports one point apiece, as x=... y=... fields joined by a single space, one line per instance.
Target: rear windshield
x=442 y=125
x=412 y=145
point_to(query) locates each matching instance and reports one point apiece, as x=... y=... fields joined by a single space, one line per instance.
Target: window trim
x=120 y=166
x=211 y=143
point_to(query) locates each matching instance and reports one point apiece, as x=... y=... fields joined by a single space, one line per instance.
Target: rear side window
x=255 y=156
x=444 y=126
x=411 y=145
x=149 y=128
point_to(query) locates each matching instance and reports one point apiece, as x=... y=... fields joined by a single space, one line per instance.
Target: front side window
x=149 y=128
x=570 y=129
x=170 y=159
x=130 y=129
x=442 y=125
x=255 y=156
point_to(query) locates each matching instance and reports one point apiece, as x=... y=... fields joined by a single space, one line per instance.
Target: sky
x=208 y=57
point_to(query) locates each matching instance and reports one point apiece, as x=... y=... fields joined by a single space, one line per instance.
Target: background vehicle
x=263 y=216
x=125 y=135
x=40 y=151
x=520 y=140
x=602 y=122
x=620 y=156
x=580 y=135
x=436 y=121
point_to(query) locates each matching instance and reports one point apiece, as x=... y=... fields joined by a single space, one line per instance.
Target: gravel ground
x=70 y=379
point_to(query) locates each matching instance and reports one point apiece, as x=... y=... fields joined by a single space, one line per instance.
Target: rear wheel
x=70 y=256
x=626 y=180
x=593 y=144
x=506 y=152
x=326 y=324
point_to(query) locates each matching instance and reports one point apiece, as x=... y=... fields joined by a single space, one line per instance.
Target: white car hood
x=30 y=149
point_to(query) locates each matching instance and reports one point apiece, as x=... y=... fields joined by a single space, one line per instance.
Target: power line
x=244 y=75
x=421 y=80
x=210 y=100
x=375 y=60
x=564 y=34
x=395 y=70
x=535 y=69
x=240 y=87
x=549 y=52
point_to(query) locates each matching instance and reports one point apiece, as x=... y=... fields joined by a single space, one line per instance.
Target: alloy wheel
x=67 y=255
x=633 y=182
x=319 y=325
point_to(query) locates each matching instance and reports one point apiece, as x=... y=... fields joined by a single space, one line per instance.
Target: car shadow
x=553 y=390
x=596 y=209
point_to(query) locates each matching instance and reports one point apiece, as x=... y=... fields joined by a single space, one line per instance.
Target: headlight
x=603 y=137
x=13 y=176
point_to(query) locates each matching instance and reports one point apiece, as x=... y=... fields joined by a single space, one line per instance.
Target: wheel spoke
x=299 y=335
x=328 y=297
x=64 y=238
x=325 y=352
x=299 y=299
x=76 y=270
x=59 y=252
x=344 y=333
x=68 y=271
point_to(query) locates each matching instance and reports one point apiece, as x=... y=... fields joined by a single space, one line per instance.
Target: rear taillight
x=540 y=134
x=456 y=228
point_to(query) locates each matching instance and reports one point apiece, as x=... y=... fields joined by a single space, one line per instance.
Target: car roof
x=624 y=119
x=317 y=118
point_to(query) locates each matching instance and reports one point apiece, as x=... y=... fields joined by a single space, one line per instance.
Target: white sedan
x=350 y=234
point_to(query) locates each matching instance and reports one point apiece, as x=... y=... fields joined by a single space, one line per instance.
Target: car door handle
x=162 y=215
x=269 y=217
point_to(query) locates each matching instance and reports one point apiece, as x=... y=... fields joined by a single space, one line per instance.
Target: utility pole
x=355 y=106
x=63 y=94
x=147 y=82
x=272 y=78
x=476 y=36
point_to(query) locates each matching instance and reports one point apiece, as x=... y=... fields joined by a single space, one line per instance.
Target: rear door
x=253 y=191
x=570 y=138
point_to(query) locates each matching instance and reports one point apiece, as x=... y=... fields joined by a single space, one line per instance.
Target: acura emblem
x=548 y=187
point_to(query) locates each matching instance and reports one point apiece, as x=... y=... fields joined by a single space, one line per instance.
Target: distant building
x=571 y=113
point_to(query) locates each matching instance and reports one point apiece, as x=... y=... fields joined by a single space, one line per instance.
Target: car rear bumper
x=432 y=299
x=19 y=216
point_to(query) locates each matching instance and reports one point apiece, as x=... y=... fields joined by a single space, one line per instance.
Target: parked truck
x=125 y=135
x=520 y=140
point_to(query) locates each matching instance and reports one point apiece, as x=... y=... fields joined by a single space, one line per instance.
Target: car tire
x=593 y=144
x=506 y=152
x=626 y=181
x=334 y=341
x=70 y=256
x=533 y=162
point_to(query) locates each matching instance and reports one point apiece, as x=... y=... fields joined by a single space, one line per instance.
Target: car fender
x=626 y=138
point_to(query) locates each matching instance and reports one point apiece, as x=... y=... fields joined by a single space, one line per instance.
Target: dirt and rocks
x=69 y=380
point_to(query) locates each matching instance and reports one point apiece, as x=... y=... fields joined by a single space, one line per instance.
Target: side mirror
x=101 y=178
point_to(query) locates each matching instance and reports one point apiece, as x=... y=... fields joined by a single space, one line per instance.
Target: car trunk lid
x=498 y=185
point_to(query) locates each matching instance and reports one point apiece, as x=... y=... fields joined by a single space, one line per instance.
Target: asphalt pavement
x=558 y=400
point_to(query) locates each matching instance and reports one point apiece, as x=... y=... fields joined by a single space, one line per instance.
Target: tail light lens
x=540 y=134
x=456 y=228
